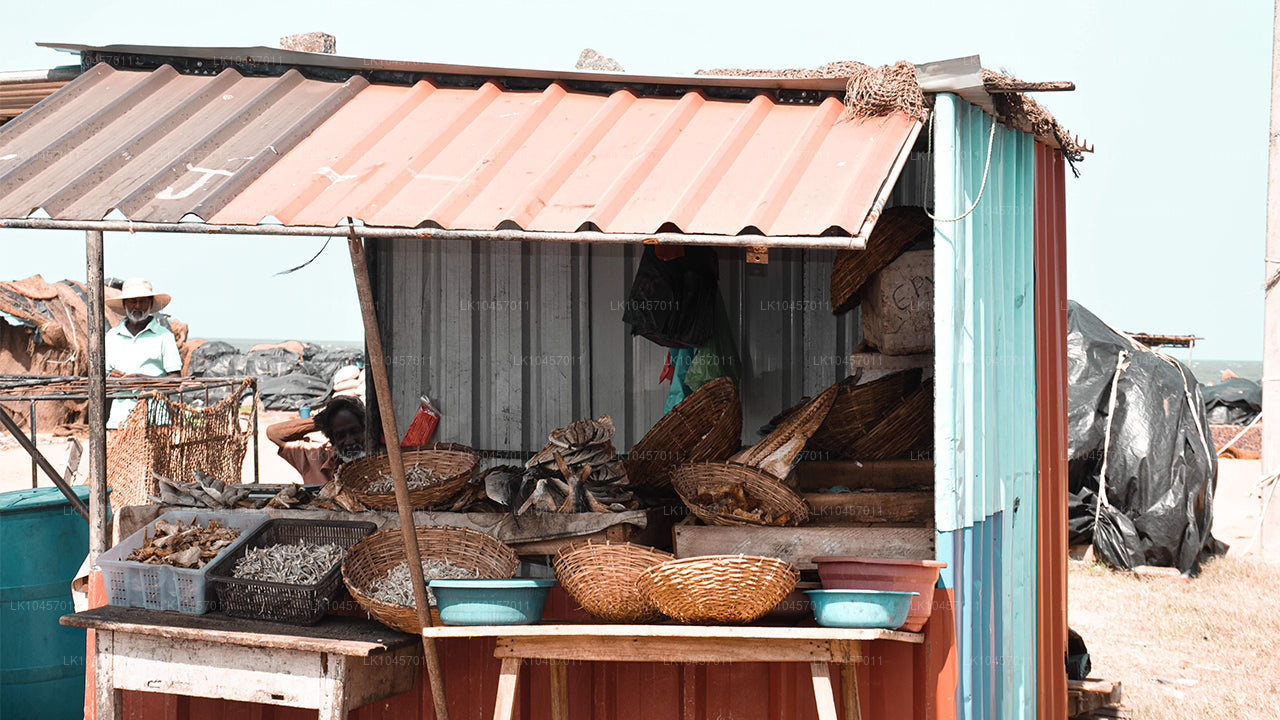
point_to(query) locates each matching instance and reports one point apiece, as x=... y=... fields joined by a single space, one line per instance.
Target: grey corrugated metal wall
x=511 y=341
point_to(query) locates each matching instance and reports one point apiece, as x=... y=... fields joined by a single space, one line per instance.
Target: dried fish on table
x=204 y=491
x=297 y=564
x=397 y=587
x=577 y=471
x=415 y=476
x=182 y=545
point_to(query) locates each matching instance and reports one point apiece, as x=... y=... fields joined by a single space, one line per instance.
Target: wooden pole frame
x=382 y=391
x=99 y=507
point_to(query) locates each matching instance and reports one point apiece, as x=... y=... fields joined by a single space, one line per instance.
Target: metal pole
x=35 y=466
x=99 y=508
x=255 y=430
x=1271 y=312
x=37 y=457
x=382 y=388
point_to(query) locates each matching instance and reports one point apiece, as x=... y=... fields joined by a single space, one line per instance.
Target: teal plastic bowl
x=861 y=608
x=518 y=601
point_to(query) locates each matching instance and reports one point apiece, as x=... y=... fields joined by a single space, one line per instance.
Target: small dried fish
x=397 y=587
x=415 y=476
x=181 y=545
x=299 y=564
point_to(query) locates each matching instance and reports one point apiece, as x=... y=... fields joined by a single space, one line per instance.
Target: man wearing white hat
x=139 y=345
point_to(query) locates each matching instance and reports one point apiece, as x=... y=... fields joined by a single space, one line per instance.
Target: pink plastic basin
x=861 y=573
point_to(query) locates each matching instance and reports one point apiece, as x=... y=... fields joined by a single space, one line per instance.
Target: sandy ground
x=15 y=463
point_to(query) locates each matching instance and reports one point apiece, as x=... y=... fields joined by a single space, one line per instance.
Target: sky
x=1165 y=226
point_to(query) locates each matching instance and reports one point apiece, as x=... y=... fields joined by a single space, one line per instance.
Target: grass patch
x=1202 y=648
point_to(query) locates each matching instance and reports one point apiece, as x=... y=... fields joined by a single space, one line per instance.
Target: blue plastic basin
x=861 y=608
x=518 y=601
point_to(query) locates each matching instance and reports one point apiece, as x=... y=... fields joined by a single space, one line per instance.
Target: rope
x=1106 y=444
x=991 y=141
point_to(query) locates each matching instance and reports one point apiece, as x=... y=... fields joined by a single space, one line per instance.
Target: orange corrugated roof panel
x=234 y=150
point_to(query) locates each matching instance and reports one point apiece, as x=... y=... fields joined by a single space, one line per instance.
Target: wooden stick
x=99 y=507
x=1017 y=86
x=382 y=390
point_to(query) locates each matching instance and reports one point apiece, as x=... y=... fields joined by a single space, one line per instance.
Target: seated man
x=139 y=345
x=341 y=422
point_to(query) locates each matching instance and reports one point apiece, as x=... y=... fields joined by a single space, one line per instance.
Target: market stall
x=523 y=344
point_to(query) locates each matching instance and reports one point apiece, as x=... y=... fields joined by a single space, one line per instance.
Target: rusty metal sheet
x=225 y=148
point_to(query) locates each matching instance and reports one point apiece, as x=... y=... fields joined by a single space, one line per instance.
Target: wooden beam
x=799 y=546
x=881 y=475
x=1018 y=86
x=99 y=505
x=855 y=508
x=382 y=388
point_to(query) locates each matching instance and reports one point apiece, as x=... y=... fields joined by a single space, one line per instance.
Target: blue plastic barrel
x=43 y=541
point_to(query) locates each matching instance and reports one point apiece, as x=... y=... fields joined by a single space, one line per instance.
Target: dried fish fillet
x=181 y=545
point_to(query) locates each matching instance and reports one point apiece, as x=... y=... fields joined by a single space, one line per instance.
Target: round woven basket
x=452 y=463
x=762 y=491
x=601 y=576
x=704 y=427
x=373 y=557
x=718 y=588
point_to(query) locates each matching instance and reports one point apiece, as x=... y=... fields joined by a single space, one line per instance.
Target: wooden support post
x=99 y=507
x=849 y=691
x=382 y=390
x=559 y=690
x=507 y=678
x=822 y=691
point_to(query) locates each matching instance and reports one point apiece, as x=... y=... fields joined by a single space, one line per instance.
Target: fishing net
x=173 y=439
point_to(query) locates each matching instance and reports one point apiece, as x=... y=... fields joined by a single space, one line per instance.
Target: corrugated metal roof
x=159 y=146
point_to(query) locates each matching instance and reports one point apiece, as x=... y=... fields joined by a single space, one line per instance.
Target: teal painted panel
x=985 y=429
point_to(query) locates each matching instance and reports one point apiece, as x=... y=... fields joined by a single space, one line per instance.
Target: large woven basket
x=897 y=228
x=601 y=576
x=762 y=491
x=860 y=408
x=720 y=589
x=906 y=429
x=373 y=557
x=453 y=463
x=705 y=427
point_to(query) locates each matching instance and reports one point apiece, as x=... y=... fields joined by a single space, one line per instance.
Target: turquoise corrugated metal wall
x=985 y=428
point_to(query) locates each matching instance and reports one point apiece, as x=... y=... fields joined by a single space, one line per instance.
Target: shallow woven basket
x=778 y=450
x=601 y=576
x=373 y=557
x=763 y=491
x=907 y=428
x=718 y=588
x=897 y=228
x=454 y=463
x=860 y=408
x=704 y=427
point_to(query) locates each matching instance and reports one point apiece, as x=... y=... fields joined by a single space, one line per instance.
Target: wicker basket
x=282 y=602
x=897 y=228
x=860 y=408
x=454 y=463
x=372 y=558
x=718 y=588
x=601 y=576
x=908 y=428
x=762 y=491
x=705 y=427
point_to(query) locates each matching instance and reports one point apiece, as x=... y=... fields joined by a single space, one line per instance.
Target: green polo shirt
x=152 y=352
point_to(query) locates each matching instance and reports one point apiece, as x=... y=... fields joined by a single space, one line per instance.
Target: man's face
x=347 y=436
x=137 y=309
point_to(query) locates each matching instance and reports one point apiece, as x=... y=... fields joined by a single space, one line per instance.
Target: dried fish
x=299 y=564
x=577 y=471
x=397 y=587
x=181 y=545
x=415 y=476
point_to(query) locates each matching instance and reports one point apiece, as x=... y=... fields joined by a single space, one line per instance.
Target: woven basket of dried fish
x=705 y=427
x=601 y=576
x=435 y=475
x=735 y=494
x=287 y=571
x=375 y=571
x=718 y=588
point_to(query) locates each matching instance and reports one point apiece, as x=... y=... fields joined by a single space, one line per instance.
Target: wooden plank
x=608 y=633
x=912 y=508
x=341 y=635
x=867 y=475
x=880 y=361
x=1019 y=86
x=676 y=649
x=507 y=678
x=108 y=700
x=381 y=676
x=822 y=692
x=799 y=546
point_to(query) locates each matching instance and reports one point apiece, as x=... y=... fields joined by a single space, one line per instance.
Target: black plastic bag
x=217 y=359
x=292 y=391
x=273 y=362
x=1234 y=401
x=1160 y=463
x=673 y=302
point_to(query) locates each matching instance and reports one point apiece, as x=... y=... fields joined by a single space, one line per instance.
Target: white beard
x=139 y=316
x=345 y=457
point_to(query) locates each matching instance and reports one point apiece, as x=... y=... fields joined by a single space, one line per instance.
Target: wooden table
x=334 y=666
x=675 y=643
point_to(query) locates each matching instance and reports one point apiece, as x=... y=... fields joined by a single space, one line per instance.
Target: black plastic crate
x=281 y=602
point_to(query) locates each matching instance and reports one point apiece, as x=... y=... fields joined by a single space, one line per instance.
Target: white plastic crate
x=164 y=587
